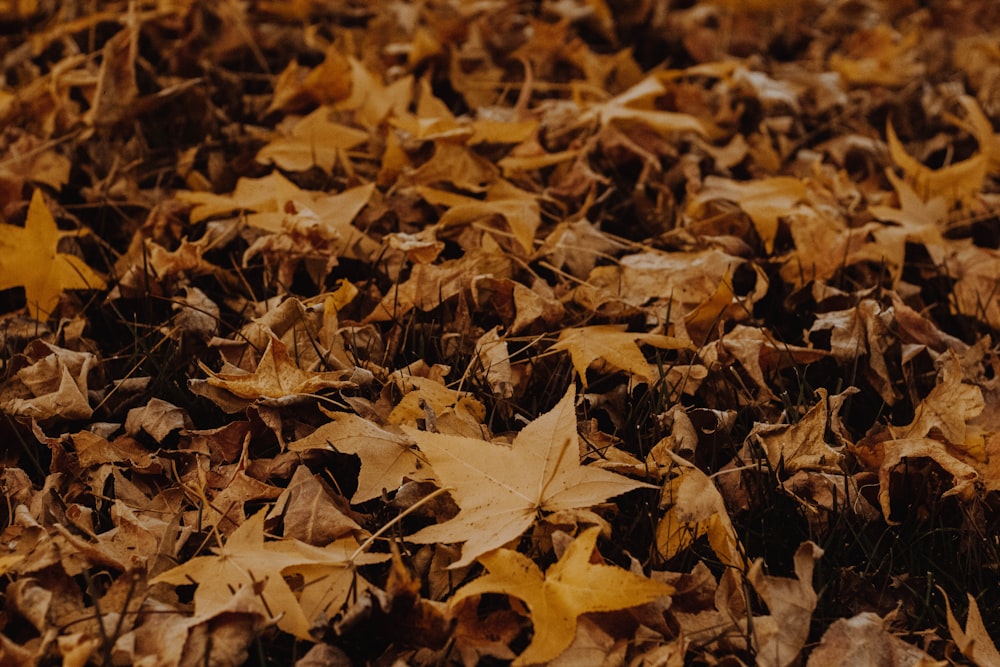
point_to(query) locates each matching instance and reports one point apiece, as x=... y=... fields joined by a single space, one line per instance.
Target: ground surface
x=454 y=333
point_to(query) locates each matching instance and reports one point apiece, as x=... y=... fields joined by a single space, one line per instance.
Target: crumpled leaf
x=56 y=384
x=779 y=637
x=158 y=418
x=946 y=411
x=894 y=451
x=694 y=508
x=572 y=586
x=864 y=640
x=803 y=445
x=501 y=489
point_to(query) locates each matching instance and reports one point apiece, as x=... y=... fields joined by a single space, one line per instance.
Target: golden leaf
x=572 y=586
x=30 y=257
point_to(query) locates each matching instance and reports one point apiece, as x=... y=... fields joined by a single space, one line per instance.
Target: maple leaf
x=571 y=587
x=974 y=641
x=386 y=458
x=500 y=489
x=30 y=257
x=246 y=559
x=277 y=376
x=315 y=140
x=615 y=346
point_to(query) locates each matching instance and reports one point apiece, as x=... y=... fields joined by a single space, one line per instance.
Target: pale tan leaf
x=386 y=457
x=779 y=637
x=864 y=641
x=974 y=641
x=501 y=489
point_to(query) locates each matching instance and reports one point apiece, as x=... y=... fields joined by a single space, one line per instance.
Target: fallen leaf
x=765 y=200
x=386 y=457
x=244 y=561
x=30 y=257
x=501 y=489
x=959 y=182
x=864 y=641
x=571 y=587
x=157 y=418
x=895 y=451
x=803 y=445
x=613 y=345
x=974 y=641
x=314 y=140
x=310 y=513
x=946 y=411
x=278 y=376
x=779 y=637
x=247 y=561
x=56 y=384
x=694 y=508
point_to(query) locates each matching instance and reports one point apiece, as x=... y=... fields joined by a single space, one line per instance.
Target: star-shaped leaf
x=277 y=376
x=571 y=587
x=615 y=346
x=246 y=559
x=30 y=256
x=501 y=489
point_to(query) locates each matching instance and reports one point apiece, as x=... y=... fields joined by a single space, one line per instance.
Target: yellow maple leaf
x=246 y=559
x=571 y=587
x=314 y=141
x=30 y=257
x=501 y=489
x=613 y=345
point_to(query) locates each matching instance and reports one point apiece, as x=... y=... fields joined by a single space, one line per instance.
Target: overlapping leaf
x=501 y=489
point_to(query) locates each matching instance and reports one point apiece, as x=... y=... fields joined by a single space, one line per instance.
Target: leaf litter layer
x=578 y=332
